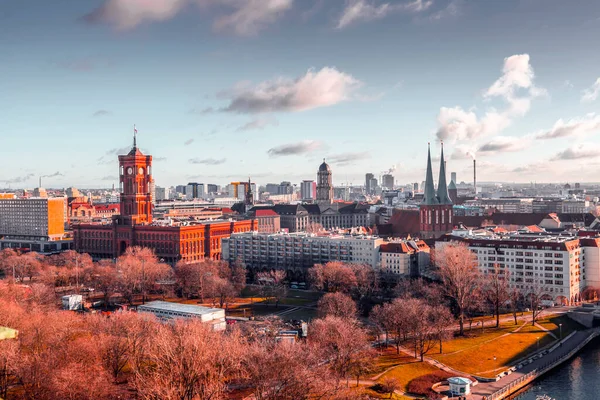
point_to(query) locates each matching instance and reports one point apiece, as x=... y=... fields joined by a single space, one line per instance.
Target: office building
x=404 y=257
x=308 y=190
x=36 y=224
x=368 y=182
x=387 y=181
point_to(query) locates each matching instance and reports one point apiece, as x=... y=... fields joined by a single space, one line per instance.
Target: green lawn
x=405 y=373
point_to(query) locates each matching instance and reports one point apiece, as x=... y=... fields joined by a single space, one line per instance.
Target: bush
x=422 y=385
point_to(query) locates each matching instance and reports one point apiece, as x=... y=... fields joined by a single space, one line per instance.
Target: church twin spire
x=430 y=196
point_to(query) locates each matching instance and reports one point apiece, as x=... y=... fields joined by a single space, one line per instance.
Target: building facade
x=172 y=241
x=308 y=190
x=404 y=257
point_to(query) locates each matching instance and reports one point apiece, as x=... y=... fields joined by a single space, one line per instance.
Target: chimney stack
x=475 y=176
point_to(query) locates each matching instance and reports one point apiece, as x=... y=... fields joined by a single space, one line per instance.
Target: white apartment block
x=552 y=264
x=301 y=249
x=404 y=257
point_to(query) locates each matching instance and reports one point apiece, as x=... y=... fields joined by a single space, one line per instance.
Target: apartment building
x=552 y=264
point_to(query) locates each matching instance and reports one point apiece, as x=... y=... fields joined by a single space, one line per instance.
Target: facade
x=171 y=240
x=308 y=190
x=404 y=257
x=299 y=251
x=435 y=212
x=368 y=184
x=504 y=205
x=387 y=181
x=34 y=224
x=166 y=311
x=267 y=221
x=550 y=264
x=324 y=184
x=297 y=217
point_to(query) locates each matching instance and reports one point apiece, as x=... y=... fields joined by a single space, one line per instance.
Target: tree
x=389 y=385
x=516 y=299
x=535 y=295
x=273 y=284
x=337 y=305
x=394 y=318
x=460 y=277
x=8 y=356
x=335 y=276
x=496 y=287
x=104 y=279
x=340 y=342
x=139 y=270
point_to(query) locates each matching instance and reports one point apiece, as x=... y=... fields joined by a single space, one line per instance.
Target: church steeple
x=429 y=197
x=442 y=191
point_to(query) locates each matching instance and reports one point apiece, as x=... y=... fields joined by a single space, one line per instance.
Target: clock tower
x=135 y=176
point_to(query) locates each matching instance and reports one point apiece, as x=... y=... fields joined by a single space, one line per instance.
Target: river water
x=576 y=379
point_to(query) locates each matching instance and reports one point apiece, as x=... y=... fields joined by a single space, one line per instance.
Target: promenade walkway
x=482 y=390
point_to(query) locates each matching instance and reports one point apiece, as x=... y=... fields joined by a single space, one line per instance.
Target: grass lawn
x=256 y=310
x=405 y=373
x=475 y=337
x=388 y=358
x=487 y=359
x=304 y=314
x=373 y=394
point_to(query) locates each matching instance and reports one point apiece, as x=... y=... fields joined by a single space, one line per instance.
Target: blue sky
x=223 y=89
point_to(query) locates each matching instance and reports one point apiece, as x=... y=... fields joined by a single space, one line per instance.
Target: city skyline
x=220 y=90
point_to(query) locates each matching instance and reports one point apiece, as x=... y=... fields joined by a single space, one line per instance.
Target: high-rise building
x=196 y=190
x=162 y=193
x=211 y=188
x=368 y=178
x=285 y=188
x=180 y=189
x=308 y=190
x=416 y=187
x=373 y=186
x=436 y=208
x=36 y=224
x=324 y=184
x=387 y=181
x=453 y=177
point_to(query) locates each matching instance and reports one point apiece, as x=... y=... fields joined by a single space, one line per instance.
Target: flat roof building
x=165 y=310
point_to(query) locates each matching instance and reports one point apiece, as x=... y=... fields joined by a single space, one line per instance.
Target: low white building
x=72 y=302
x=165 y=310
x=460 y=386
x=404 y=257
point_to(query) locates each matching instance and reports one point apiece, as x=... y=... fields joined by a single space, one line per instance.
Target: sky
x=223 y=90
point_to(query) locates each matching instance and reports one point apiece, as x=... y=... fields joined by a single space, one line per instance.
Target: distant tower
x=249 y=197
x=324 y=184
x=135 y=175
x=436 y=209
x=453 y=192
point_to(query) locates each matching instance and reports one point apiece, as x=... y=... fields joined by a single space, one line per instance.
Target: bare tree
x=496 y=287
x=337 y=305
x=460 y=277
x=273 y=284
x=389 y=385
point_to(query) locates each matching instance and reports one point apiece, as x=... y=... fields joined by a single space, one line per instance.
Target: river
x=576 y=379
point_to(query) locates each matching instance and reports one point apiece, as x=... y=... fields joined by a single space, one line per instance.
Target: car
x=87 y=290
x=294 y=286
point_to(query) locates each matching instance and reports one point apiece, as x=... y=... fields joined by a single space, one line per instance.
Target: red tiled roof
x=266 y=213
x=405 y=222
x=114 y=207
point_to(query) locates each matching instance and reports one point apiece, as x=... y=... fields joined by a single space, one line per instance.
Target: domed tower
x=324 y=184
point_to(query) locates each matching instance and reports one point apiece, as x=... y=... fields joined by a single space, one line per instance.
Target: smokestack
x=475 y=176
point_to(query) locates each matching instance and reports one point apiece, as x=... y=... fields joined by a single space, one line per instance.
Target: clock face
x=129 y=171
x=141 y=171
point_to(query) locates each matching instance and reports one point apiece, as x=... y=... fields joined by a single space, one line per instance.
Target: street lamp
x=560 y=326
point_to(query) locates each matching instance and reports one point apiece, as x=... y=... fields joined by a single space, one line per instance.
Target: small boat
x=543 y=397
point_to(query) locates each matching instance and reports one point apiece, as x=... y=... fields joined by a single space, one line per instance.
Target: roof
x=265 y=213
x=521 y=219
x=135 y=151
x=114 y=207
x=185 y=308
x=429 y=196
x=459 y=380
x=452 y=186
x=442 y=191
x=324 y=167
x=8 y=333
x=405 y=222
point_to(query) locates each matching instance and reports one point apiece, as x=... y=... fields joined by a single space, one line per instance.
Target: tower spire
x=429 y=197
x=442 y=191
x=134 y=136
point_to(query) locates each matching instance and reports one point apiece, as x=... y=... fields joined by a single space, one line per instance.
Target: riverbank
x=517 y=380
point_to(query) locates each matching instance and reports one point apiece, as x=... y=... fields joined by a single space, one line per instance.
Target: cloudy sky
x=223 y=89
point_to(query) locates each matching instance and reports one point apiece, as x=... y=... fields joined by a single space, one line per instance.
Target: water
x=576 y=379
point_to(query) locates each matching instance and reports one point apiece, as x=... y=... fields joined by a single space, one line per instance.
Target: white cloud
x=451 y=10
x=258 y=123
x=127 y=14
x=251 y=16
x=463 y=152
x=314 y=89
x=505 y=144
x=573 y=127
x=348 y=158
x=515 y=87
x=242 y=17
x=591 y=93
x=578 y=151
x=365 y=10
x=293 y=149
